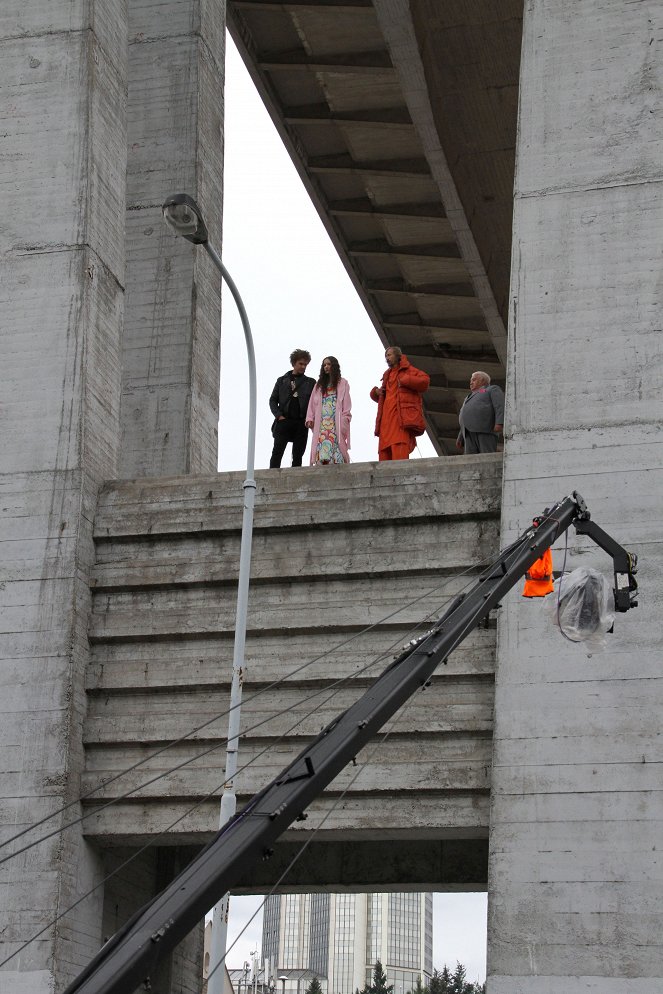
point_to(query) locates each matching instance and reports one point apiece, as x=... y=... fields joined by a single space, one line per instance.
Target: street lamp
x=283 y=979
x=243 y=977
x=254 y=970
x=183 y=215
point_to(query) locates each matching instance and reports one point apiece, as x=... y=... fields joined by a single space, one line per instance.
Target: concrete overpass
x=110 y=373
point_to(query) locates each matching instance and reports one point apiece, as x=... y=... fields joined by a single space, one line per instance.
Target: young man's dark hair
x=289 y=403
x=299 y=354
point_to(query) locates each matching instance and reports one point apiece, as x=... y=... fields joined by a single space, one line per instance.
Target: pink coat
x=343 y=417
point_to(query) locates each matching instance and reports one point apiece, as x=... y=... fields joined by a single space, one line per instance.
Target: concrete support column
x=62 y=186
x=170 y=355
x=576 y=875
x=136 y=877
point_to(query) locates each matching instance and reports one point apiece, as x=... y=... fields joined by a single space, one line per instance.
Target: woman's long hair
x=329 y=381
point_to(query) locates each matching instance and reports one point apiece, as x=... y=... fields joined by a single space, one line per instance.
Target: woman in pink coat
x=329 y=415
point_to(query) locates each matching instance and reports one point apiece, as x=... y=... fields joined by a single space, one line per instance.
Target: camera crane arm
x=129 y=957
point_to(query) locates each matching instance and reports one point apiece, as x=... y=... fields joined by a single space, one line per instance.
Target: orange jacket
x=411 y=383
x=538 y=579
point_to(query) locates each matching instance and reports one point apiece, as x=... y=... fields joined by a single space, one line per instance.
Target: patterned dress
x=327 y=450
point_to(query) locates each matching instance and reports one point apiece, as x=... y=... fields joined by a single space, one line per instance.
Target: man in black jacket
x=288 y=403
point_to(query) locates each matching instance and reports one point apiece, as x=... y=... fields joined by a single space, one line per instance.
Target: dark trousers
x=479 y=441
x=290 y=430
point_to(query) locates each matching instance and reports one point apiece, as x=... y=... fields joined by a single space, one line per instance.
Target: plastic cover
x=582 y=606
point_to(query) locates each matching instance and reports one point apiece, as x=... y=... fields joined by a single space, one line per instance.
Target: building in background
x=339 y=937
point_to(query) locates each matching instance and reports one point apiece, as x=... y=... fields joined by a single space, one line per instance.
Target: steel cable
x=106 y=783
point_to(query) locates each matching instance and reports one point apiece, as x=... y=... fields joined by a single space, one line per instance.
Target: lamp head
x=184 y=216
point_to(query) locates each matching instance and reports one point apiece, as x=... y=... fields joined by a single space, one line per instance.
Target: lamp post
x=254 y=970
x=243 y=977
x=283 y=979
x=184 y=216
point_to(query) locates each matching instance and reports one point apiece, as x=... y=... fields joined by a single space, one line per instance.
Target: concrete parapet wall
x=334 y=551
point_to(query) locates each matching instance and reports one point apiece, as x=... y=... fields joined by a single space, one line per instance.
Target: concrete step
x=205 y=662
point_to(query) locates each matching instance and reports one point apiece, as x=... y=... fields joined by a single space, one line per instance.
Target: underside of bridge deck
x=409 y=159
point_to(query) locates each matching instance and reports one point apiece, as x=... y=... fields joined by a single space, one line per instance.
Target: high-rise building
x=339 y=938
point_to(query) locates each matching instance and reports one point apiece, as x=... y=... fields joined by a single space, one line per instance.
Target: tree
x=379 y=985
x=439 y=982
x=314 y=987
x=447 y=982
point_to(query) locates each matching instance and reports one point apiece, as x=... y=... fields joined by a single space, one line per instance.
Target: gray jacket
x=482 y=410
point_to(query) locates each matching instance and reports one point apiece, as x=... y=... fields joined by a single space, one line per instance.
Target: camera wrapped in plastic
x=582 y=606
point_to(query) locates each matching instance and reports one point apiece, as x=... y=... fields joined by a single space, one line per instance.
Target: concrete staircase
x=334 y=551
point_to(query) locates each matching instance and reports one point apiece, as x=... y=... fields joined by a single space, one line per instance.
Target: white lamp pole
x=183 y=215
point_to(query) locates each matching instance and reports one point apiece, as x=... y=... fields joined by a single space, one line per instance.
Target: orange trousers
x=400 y=450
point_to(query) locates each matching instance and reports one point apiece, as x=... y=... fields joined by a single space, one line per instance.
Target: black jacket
x=279 y=402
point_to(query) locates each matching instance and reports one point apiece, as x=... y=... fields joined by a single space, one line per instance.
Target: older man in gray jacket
x=481 y=416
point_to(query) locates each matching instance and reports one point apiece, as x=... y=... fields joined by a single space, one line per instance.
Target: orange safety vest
x=538 y=579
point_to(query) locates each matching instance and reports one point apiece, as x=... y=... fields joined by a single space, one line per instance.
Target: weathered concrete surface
x=134 y=877
x=170 y=352
x=63 y=154
x=333 y=552
x=478 y=80
x=577 y=808
x=454 y=864
x=471 y=59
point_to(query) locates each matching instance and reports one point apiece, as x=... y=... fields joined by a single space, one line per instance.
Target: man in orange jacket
x=400 y=410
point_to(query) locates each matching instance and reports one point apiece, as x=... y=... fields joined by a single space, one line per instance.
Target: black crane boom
x=131 y=954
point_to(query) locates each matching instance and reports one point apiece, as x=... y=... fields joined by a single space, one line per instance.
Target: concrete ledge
x=464 y=486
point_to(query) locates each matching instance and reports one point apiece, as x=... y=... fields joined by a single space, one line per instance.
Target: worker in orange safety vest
x=538 y=579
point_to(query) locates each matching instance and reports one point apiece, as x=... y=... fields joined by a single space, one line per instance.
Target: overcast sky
x=298 y=295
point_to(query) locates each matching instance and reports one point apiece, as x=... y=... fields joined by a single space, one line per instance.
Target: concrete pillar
x=170 y=353
x=576 y=875
x=135 y=876
x=63 y=148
